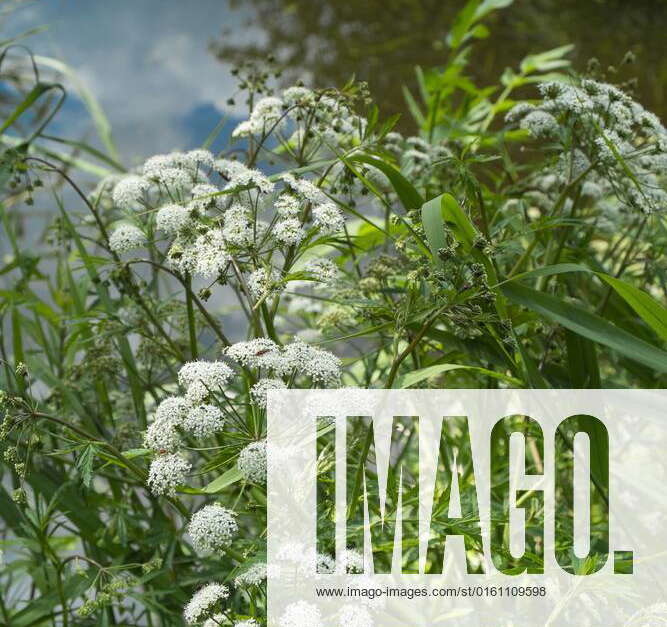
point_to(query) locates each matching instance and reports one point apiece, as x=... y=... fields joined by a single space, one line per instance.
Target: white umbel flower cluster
x=213 y=529
x=263 y=283
x=298 y=357
x=623 y=145
x=323 y=270
x=260 y=389
x=354 y=616
x=129 y=192
x=252 y=576
x=301 y=614
x=166 y=472
x=212 y=375
x=205 y=602
x=203 y=421
x=328 y=218
x=172 y=218
x=252 y=462
x=126 y=237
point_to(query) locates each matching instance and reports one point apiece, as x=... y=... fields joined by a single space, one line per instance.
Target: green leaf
x=84 y=464
x=588 y=325
x=417 y=376
x=647 y=308
x=582 y=362
x=408 y=195
x=223 y=481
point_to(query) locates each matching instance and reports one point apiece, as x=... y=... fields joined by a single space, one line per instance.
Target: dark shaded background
x=382 y=40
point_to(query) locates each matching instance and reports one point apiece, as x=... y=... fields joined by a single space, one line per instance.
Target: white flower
x=353 y=561
x=328 y=217
x=305 y=188
x=262 y=283
x=267 y=114
x=323 y=270
x=354 y=616
x=172 y=218
x=243 y=129
x=252 y=462
x=260 y=389
x=289 y=231
x=167 y=472
x=301 y=96
x=172 y=409
x=216 y=620
x=203 y=421
x=287 y=206
x=129 y=191
x=204 y=602
x=237 y=229
x=162 y=436
x=252 y=576
x=126 y=237
x=320 y=365
x=213 y=374
x=155 y=165
x=199 y=158
x=301 y=614
x=518 y=111
x=540 y=124
x=202 y=198
x=240 y=175
x=211 y=256
x=175 y=179
x=258 y=353
x=212 y=529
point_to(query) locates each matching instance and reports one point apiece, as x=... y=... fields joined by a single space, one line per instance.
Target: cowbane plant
x=504 y=244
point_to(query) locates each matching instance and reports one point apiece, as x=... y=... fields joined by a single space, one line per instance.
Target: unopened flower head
x=260 y=389
x=129 y=192
x=166 y=472
x=172 y=218
x=203 y=421
x=213 y=529
x=126 y=237
x=205 y=602
x=252 y=462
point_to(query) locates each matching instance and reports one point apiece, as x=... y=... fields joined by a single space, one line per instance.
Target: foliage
x=321 y=249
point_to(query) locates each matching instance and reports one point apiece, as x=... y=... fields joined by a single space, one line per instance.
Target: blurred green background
x=381 y=41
